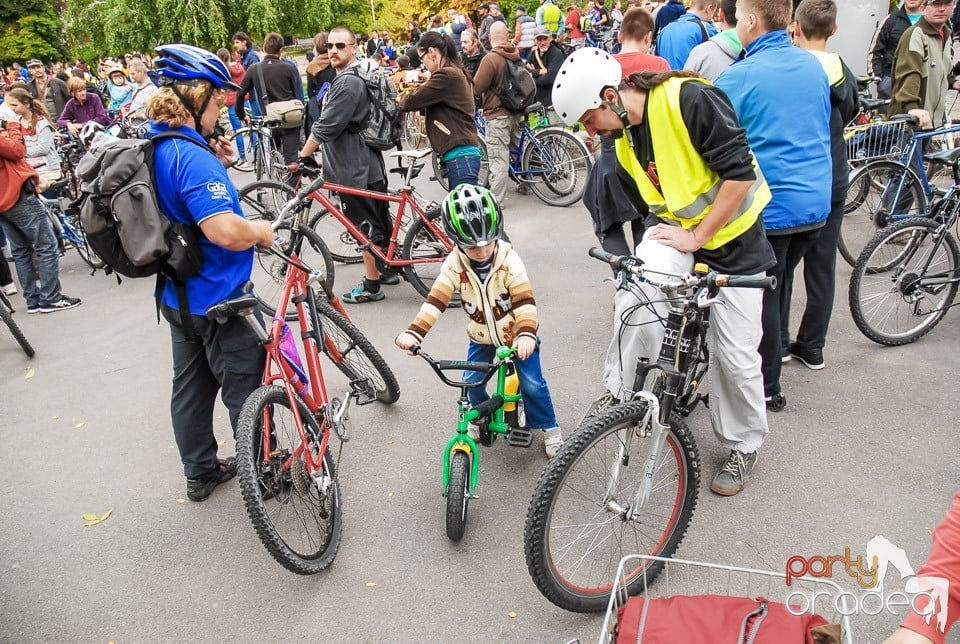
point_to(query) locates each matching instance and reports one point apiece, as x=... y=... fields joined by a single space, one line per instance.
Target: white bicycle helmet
x=88 y=132
x=580 y=80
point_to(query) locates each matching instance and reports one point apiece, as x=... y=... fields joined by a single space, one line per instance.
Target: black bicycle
x=6 y=314
x=627 y=480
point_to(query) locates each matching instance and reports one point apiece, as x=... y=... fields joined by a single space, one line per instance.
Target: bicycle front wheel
x=878 y=199
x=355 y=356
x=458 y=495
x=557 y=165
x=7 y=316
x=296 y=513
x=583 y=517
x=900 y=288
x=343 y=247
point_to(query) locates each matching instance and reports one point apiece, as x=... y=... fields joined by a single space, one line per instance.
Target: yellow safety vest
x=688 y=186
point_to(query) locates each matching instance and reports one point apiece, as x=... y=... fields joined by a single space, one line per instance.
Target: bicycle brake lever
x=704 y=302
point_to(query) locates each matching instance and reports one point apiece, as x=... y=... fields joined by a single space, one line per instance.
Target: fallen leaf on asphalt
x=391 y=493
x=371 y=584
x=181 y=500
x=79 y=425
x=30 y=374
x=390 y=442
x=95 y=521
x=511 y=614
x=55 y=418
x=221 y=442
x=89 y=516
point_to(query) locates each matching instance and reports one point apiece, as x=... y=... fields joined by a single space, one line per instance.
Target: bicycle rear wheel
x=296 y=513
x=876 y=200
x=557 y=166
x=6 y=314
x=355 y=356
x=422 y=244
x=900 y=289
x=343 y=247
x=577 y=528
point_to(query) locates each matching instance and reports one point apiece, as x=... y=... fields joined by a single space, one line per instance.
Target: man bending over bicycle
x=705 y=194
x=498 y=299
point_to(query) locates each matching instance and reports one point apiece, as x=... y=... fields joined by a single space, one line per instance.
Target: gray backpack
x=123 y=222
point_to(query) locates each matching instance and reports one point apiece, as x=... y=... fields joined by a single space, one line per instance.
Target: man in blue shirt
x=782 y=98
x=689 y=30
x=666 y=14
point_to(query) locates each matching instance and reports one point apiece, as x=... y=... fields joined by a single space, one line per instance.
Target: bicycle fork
x=655 y=429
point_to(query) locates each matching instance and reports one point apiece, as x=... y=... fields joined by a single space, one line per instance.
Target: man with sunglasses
x=348 y=161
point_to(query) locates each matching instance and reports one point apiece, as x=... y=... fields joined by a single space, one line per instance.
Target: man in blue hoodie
x=782 y=98
x=678 y=38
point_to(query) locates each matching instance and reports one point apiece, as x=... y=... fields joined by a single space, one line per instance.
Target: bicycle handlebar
x=634 y=265
x=439 y=366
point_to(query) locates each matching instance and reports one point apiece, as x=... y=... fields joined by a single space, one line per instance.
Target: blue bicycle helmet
x=186 y=63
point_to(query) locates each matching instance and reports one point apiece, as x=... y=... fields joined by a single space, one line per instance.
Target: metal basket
x=881 y=140
x=682 y=577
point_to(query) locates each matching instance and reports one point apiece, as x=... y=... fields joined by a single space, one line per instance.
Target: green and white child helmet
x=471 y=216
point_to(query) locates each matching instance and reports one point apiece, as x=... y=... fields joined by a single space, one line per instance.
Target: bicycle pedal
x=520 y=437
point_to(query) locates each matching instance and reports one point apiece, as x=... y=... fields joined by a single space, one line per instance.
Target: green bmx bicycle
x=501 y=414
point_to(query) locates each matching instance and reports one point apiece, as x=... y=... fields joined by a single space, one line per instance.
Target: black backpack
x=385 y=124
x=122 y=220
x=518 y=91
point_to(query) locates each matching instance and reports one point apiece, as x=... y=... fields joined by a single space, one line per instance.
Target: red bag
x=715 y=618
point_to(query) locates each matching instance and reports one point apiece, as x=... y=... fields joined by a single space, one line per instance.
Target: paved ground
x=867 y=446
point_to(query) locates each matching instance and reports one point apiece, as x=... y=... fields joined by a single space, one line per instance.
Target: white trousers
x=738 y=412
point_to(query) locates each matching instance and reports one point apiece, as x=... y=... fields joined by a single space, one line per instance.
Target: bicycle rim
x=343 y=247
x=897 y=290
x=878 y=182
x=296 y=513
x=576 y=530
x=561 y=165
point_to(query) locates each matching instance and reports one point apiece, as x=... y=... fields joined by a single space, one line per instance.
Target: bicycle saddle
x=535 y=107
x=244 y=304
x=870 y=104
x=950 y=157
x=412 y=154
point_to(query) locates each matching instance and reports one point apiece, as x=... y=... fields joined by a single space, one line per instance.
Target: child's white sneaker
x=473 y=431
x=552 y=441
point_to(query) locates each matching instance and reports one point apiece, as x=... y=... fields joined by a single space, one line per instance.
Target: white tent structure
x=857 y=21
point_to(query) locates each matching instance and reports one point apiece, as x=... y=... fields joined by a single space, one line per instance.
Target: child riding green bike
x=498 y=300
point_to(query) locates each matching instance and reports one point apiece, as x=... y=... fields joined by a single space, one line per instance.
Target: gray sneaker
x=734 y=474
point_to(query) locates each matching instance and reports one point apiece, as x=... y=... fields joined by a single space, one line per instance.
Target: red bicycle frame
x=403 y=199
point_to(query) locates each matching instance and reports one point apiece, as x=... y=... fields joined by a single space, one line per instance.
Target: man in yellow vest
x=682 y=151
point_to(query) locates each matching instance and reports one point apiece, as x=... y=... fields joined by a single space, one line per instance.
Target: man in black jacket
x=885 y=43
x=544 y=65
x=281 y=82
x=471 y=53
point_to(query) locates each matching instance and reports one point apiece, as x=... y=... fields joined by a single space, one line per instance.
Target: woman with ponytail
x=39 y=134
x=447 y=100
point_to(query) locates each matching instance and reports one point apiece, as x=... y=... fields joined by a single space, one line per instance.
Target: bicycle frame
x=912 y=160
x=403 y=199
x=527 y=137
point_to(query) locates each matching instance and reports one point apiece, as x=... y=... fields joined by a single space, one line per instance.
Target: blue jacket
x=679 y=37
x=666 y=14
x=782 y=99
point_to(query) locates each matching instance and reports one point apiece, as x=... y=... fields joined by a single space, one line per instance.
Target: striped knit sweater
x=499 y=310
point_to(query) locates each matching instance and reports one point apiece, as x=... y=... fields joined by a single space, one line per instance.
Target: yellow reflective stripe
x=831 y=65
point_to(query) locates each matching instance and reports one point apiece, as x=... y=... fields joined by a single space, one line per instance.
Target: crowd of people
x=700 y=155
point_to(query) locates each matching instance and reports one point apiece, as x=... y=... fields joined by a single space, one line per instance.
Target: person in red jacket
x=944 y=561
x=27 y=227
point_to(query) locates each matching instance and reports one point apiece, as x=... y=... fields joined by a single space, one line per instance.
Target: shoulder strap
x=704 y=35
x=263 y=87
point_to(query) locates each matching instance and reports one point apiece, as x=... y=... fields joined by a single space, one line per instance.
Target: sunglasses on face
x=338 y=45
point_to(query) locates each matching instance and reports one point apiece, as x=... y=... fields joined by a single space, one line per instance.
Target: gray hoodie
x=712 y=57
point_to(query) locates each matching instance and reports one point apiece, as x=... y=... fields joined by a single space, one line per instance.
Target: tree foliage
x=30 y=29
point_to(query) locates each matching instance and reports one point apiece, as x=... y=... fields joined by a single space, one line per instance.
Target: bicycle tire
x=262 y=200
x=886 y=287
x=566 y=163
x=343 y=247
x=355 y=356
x=458 y=495
x=421 y=243
x=7 y=316
x=549 y=519
x=87 y=254
x=862 y=220
x=413 y=131
x=248 y=149
x=271 y=493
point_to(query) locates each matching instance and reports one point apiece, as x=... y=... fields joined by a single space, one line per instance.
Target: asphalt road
x=865 y=447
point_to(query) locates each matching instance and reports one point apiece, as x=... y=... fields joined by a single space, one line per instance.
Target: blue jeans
x=536 y=395
x=30 y=232
x=463 y=170
x=236 y=124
